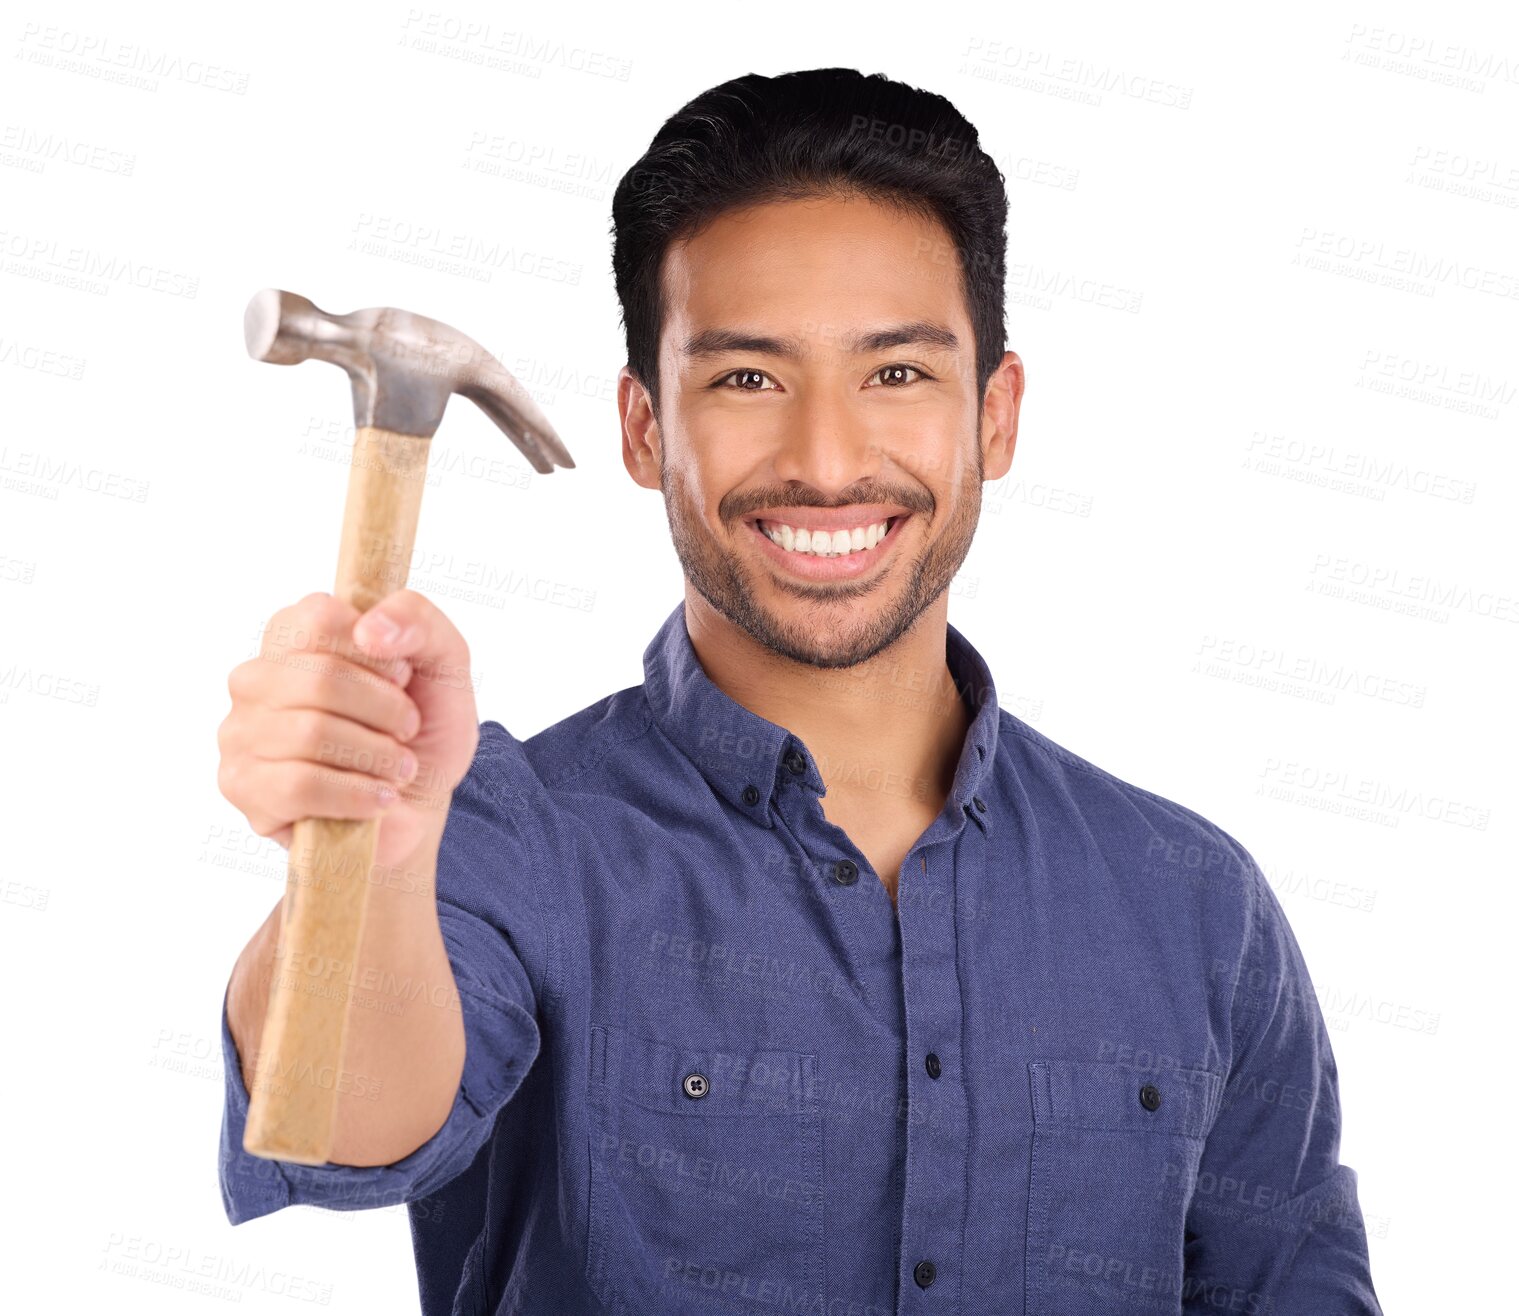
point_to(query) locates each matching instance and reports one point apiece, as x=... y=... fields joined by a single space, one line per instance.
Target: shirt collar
x=747 y=759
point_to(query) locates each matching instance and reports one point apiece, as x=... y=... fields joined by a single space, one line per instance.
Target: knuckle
x=239 y=681
x=308 y=728
x=228 y=775
x=335 y=614
x=317 y=622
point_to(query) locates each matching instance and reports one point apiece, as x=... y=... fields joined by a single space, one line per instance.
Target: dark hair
x=815 y=131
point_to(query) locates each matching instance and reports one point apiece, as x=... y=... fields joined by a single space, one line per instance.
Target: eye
x=748 y=380
x=897 y=371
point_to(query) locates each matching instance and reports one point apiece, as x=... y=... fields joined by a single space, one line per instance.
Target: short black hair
x=812 y=132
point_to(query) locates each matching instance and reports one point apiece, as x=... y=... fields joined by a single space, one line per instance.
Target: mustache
x=914 y=500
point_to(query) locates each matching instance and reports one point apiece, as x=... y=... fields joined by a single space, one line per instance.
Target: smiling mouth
x=803 y=542
x=835 y=556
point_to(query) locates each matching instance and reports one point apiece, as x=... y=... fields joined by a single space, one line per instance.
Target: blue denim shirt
x=1079 y=1069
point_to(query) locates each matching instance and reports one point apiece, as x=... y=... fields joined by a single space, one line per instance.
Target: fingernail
x=387 y=796
x=376 y=628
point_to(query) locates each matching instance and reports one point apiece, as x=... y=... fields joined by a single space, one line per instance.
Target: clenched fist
x=334 y=719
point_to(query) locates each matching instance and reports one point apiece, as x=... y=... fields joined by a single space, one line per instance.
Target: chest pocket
x=1114 y=1164
x=706 y=1177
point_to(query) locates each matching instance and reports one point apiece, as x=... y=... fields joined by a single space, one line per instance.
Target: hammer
x=403 y=368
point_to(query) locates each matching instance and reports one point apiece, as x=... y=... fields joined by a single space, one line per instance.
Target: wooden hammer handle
x=299 y=1071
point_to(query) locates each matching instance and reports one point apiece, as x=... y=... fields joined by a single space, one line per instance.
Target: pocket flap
x=1092 y=1094
x=660 y=1076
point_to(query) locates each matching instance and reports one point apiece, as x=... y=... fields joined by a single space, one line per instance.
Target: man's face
x=819 y=428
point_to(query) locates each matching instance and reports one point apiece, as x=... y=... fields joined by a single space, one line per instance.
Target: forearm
x=404 y=1052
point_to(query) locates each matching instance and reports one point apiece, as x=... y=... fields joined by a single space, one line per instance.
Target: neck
x=887 y=734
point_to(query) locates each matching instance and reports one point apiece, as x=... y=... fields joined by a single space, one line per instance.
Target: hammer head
x=403 y=368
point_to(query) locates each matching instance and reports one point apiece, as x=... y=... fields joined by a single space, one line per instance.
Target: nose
x=827 y=445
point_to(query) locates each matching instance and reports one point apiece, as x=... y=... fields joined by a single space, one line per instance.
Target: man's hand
x=337 y=720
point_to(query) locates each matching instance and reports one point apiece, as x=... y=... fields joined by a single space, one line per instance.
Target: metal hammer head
x=403 y=368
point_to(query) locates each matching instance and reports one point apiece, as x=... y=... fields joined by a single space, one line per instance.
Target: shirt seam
x=1250 y=1008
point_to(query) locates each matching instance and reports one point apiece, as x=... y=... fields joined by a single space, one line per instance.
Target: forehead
x=799 y=266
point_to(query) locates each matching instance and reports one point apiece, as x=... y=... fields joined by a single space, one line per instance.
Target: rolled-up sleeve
x=1275 y=1224
x=494 y=929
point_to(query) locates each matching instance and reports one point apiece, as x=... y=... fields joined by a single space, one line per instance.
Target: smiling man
x=801 y=977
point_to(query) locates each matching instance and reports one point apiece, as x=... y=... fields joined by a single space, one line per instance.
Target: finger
x=323 y=624
x=289 y=679
x=317 y=736
x=290 y=790
x=408 y=624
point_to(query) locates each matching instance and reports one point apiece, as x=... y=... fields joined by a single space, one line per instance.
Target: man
x=801 y=977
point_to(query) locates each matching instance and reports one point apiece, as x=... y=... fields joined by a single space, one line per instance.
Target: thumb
x=409 y=625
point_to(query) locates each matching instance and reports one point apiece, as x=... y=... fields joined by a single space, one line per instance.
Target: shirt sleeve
x=1274 y=1223
x=496 y=935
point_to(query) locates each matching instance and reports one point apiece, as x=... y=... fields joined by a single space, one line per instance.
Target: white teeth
x=823 y=544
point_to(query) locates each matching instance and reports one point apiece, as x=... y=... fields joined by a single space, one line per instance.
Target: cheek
x=942 y=464
x=702 y=483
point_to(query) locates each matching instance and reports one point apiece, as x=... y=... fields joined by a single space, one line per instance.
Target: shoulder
x=564 y=757
x=1159 y=835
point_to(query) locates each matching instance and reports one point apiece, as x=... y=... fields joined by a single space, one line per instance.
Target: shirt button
x=979 y=803
x=931 y=1063
x=1149 y=1096
x=845 y=872
x=796 y=763
x=751 y=794
x=694 y=1085
x=924 y=1273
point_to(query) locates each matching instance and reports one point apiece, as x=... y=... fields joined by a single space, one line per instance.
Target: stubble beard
x=824 y=632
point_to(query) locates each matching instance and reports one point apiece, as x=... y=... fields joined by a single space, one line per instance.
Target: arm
x=1274 y=1223
x=441 y=1004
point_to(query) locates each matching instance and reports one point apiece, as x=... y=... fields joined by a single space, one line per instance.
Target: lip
x=847 y=567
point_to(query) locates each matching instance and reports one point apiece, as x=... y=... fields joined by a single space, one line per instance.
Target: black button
x=931 y=1063
x=796 y=762
x=980 y=803
x=924 y=1273
x=751 y=794
x=1149 y=1096
x=694 y=1085
x=845 y=872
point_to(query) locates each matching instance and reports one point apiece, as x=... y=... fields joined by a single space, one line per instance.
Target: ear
x=999 y=416
x=640 y=431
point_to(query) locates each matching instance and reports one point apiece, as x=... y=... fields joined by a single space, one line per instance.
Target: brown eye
x=749 y=381
x=895 y=376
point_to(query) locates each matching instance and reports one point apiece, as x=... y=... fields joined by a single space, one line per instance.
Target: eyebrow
x=716 y=342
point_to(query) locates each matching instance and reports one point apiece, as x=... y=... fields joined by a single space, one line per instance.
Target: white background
x=1256 y=552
